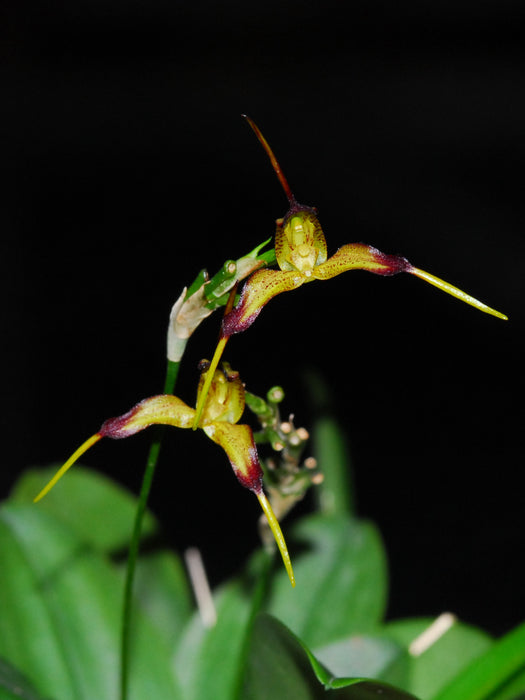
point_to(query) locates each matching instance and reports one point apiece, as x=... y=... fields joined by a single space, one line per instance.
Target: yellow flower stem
x=203 y=394
x=60 y=473
x=455 y=292
x=278 y=534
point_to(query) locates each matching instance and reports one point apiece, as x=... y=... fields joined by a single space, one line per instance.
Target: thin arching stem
x=153 y=456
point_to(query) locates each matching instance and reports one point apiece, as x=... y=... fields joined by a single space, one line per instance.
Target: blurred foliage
x=61 y=601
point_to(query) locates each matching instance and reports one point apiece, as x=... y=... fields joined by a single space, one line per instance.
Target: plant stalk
x=151 y=464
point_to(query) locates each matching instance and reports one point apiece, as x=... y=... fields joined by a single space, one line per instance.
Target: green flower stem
x=218 y=291
x=153 y=456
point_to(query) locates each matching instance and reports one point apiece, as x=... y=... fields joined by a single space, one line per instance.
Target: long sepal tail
x=273 y=159
x=63 y=469
x=455 y=292
x=278 y=534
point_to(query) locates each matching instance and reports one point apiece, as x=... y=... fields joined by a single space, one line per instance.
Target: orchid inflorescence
x=301 y=256
x=287 y=475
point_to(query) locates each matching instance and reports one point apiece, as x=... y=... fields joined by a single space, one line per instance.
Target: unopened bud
x=275 y=394
x=310 y=463
x=303 y=434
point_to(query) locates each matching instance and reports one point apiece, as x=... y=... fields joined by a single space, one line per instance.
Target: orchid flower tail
x=358 y=256
x=63 y=469
x=273 y=159
x=277 y=533
x=455 y=292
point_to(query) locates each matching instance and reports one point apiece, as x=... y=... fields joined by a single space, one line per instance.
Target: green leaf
x=14 y=685
x=514 y=689
x=60 y=624
x=82 y=503
x=341 y=580
x=493 y=673
x=85 y=501
x=432 y=668
x=279 y=666
x=162 y=592
x=365 y=656
x=208 y=657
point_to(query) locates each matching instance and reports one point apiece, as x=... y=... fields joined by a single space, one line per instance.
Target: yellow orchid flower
x=223 y=409
x=301 y=253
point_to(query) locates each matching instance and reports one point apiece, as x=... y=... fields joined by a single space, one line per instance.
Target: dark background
x=128 y=168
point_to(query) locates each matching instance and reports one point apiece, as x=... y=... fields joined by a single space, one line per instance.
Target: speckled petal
x=262 y=286
x=157 y=410
x=238 y=443
x=358 y=256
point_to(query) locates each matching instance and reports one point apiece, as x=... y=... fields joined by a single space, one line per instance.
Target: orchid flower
x=301 y=254
x=223 y=409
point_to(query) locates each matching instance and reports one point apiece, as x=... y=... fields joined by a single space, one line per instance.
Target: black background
x=128 y=168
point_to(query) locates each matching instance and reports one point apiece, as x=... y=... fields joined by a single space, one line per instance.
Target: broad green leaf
x=162 y=592
x=514 y=689
x=491 y=674
x=432 y=668
x=61 y=604
x=279 y=665
x=341 y=579
x=99 y=511
x=28 y=639
x=101 y=514
x=208 y=658
x=14 y=685
x=365 y=656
